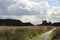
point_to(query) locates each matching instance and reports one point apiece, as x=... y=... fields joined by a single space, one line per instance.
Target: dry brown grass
x=24 y=27
x=34 y=29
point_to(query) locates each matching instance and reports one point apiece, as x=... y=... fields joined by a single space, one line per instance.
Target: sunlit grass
x=21 y=32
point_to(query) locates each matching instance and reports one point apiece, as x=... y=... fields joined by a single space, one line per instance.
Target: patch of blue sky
x=54 y=3
x=51 y=2
x=41 y=0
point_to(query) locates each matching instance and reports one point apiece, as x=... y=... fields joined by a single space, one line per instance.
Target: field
x=26 y=32
x=56 y=34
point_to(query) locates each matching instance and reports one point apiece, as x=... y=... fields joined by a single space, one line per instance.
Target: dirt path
x=44 y=36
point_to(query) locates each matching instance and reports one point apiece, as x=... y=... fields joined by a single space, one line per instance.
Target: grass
x=21 y=32
x=56 y=35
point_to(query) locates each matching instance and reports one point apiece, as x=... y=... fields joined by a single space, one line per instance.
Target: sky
x=33 y=11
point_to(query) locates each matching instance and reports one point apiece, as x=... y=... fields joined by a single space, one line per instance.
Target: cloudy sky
x=33 y=11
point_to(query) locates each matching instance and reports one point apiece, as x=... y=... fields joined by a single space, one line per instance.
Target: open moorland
x=56 y=33
x=27 y=32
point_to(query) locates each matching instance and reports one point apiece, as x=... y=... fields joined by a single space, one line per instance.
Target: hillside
x=13 y=22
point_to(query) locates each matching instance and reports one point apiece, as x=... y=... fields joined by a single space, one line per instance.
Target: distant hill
x=45 y=23
x=13 y=22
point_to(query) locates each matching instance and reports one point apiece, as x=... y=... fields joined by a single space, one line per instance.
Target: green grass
x=21 y=34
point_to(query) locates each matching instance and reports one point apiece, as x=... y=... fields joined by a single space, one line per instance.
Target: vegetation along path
x=44 y=36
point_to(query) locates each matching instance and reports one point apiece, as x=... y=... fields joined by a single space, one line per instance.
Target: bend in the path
x=45 y=36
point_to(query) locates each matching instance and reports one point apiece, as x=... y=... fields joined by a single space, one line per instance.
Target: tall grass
x=21 y=33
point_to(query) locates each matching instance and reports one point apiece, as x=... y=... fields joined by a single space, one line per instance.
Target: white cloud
x=54 y=18
x=22 y=4
x=53 y=10
x=56 y=9
x=25 y=4
x=53 y=14
x=24 y=18
x=28 y=18
x=49 y=12
x=8 y=17
x=44 y=4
